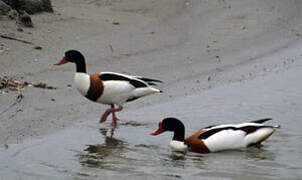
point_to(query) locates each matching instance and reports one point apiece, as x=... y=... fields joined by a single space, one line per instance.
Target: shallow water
x=97 y=151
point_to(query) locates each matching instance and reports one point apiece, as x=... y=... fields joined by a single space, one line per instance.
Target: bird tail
x=150 y=81
x=261 y=121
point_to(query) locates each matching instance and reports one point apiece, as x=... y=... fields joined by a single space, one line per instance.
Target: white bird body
x=115 y=91
x=108 y=87
x=236 y=137
x=217 y=138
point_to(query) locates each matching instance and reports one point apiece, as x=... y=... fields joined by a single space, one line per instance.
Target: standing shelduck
x=218 y=137
x=108 y=87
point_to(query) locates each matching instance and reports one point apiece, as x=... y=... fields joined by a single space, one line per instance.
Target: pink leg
x=108 y=111
x=114 y=118
x=105 y=115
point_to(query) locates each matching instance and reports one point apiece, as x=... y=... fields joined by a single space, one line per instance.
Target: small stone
x=218 y=58
x=36 y=84
x=42 y=85
x=50 y=87
x=20 y=29
x=38 y=48
x=52 y=99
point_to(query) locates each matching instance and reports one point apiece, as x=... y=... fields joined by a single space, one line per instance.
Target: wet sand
x=192 y=46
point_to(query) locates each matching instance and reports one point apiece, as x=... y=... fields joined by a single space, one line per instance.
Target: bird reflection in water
x=259 y=153
x=103 y=155
x=177 y=155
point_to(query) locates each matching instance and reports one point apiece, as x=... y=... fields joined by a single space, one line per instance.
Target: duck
x=108 y=88
x=216 y=138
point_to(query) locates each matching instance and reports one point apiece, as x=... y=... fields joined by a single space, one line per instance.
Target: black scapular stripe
x=150 y=80
x=110 y=77
x=208 y=127
x=261 y=121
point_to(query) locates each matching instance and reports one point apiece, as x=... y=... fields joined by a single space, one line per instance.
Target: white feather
x=82 y=82
x=116 y=92
x=258 y=135
x=140 y=92
x=178 y=146
x=226 y=139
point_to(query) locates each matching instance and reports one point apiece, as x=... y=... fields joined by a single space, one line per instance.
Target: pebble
x=116 y=23
x=20 y=29
x=38 y=48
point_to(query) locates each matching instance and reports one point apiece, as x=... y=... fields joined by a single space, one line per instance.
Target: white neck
x=179 y=146
x=82 y=82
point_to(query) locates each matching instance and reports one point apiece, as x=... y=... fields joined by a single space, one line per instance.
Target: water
x=97 y=151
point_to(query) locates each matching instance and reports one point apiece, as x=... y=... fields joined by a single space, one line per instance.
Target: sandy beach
x=193 y=46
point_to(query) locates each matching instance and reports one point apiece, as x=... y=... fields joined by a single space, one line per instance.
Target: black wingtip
x=150 y=80
x=261 y=121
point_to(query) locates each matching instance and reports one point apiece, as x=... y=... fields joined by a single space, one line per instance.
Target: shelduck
x=216 y=138
x=108 y=87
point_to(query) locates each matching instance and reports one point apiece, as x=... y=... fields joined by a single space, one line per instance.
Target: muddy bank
x=192 y=46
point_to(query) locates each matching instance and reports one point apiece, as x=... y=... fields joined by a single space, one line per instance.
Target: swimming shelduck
x=108 y=87
x=216 y=138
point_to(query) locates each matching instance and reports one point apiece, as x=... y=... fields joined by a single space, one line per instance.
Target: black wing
x=110 y=77
x=149 y=81
x=261 y=121
x=210 y=132
x=137 y=84
x=208 y=127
